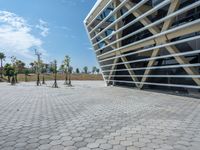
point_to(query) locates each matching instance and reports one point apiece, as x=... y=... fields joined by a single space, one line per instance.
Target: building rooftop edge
x=92 y=10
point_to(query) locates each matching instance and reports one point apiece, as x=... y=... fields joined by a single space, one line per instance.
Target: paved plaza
x=90 y=116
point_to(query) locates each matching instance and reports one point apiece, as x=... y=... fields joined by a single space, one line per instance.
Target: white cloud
x=43 y=26
x=13 y=20
x=15 y=36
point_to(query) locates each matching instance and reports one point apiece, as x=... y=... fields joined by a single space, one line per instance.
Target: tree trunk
x=38 y=80
x=9 y=79
x=13 y=80
x=66 y=78
x=70 y=79
x=43 y=80
x=16 y=81
x=55 y=85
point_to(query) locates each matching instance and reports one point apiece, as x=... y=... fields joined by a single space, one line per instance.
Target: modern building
x=148 y=44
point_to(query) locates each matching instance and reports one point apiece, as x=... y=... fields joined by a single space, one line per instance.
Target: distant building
x=148 y=44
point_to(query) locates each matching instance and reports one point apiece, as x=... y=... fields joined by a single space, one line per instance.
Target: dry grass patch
x=33 y=77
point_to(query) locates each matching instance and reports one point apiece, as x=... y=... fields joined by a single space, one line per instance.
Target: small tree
x=2 y=58
x=14 y=72
x=7 y=71
x=77 y=71
x=85 y=69
x=66 y=65
x=94 y=69
x=37 y=66
x=20 y=66
x=10 y=73
x=43 y=70
x=97 y=70
x=54 y=69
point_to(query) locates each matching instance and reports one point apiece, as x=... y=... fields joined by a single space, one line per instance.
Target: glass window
x=102 y=44
x=109 y=31
x=123 y=11
x=111 y=19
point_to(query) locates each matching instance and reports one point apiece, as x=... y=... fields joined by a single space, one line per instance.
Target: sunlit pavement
x=92 y=116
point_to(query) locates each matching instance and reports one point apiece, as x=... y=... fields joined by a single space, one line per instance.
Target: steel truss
x=163 y=33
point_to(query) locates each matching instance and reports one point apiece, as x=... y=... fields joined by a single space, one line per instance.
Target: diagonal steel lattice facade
x=152 y=44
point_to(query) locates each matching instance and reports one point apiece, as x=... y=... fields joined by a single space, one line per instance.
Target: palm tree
x=32 y=66
x=2 y=58
x=77 y=71
x=97 y=70
x=20 y=66
x=85 y=69
x=94 y=69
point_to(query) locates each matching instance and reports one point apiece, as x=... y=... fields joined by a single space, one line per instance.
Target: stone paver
x=89 y=116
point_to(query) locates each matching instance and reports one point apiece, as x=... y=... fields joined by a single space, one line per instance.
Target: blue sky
x=55 y=27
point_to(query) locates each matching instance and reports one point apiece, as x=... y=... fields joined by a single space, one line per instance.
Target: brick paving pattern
x=90 y=116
